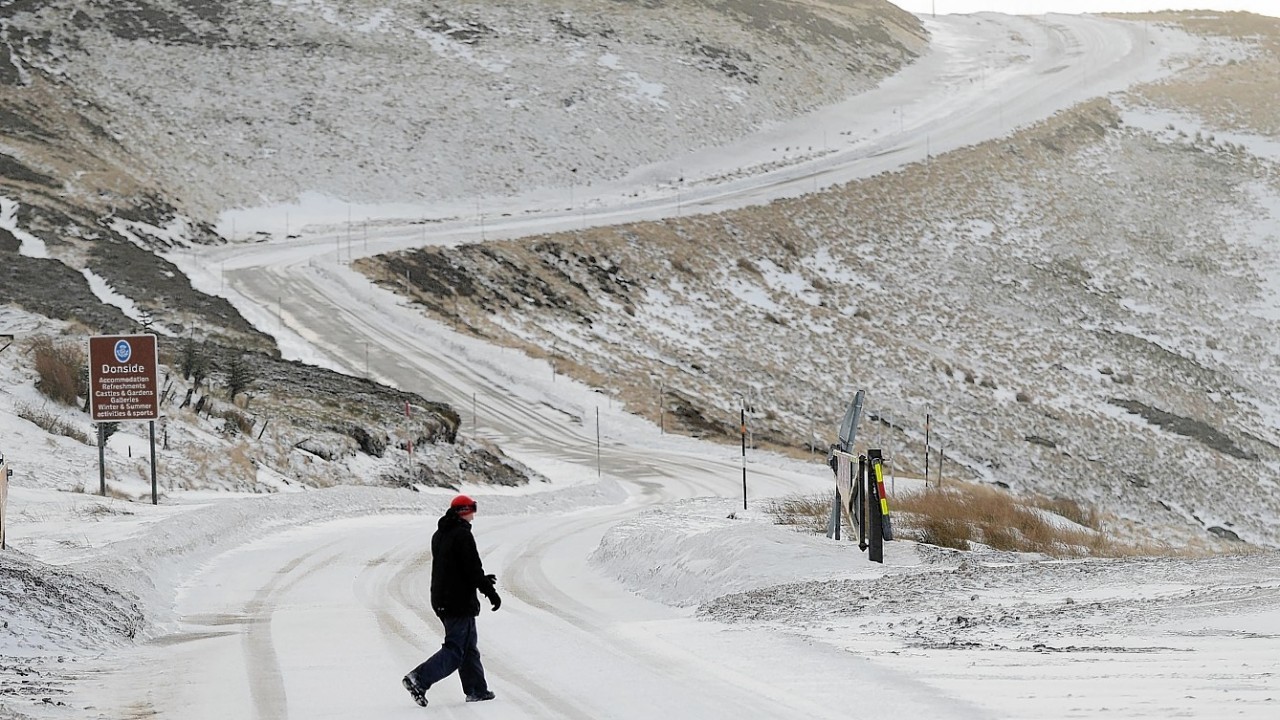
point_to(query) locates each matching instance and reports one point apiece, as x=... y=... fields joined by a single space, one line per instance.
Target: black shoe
x=481 y=696
x=419 y=695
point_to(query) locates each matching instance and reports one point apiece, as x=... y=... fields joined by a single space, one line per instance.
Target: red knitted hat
x=462 y=505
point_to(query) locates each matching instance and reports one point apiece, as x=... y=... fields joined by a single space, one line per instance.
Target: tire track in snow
x=533 y=585
x=266 y=682
x=374 y=592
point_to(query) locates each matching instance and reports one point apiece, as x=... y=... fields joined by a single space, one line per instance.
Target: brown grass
x=51 y=423
x=58 y=367
x=806 y=512
x=961 y=516
x=113 y=492
x=234 y=464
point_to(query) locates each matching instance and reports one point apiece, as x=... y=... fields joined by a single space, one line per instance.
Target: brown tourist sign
x=122 y=378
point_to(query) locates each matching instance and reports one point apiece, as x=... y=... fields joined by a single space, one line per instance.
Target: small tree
x=239 y=376
x=195 y=362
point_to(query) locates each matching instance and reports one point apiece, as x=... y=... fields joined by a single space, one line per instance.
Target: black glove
x=493 y=598
x=493 y=580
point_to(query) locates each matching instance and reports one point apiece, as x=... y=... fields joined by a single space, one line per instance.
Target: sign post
x=744 y=456
x=5 y=472
x=123 y=388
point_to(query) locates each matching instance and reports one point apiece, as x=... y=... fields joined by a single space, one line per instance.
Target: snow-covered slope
x=1070 y=327
x=396 y=101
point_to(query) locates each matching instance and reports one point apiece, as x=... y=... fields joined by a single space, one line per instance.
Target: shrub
x=59 y=369
x=234 y=422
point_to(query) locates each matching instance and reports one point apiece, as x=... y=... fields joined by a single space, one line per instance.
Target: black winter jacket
x=456 y=572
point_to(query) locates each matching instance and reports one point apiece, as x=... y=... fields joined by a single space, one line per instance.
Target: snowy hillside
x=1086 y=308
x=394 y=101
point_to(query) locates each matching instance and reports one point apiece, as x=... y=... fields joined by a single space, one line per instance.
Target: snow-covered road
x=321 y=621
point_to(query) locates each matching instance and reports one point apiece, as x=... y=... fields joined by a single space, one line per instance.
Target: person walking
x=456 y=575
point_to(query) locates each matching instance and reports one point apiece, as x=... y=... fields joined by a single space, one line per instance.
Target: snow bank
x=696 y=550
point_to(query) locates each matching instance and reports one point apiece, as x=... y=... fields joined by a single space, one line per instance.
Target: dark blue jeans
x=459 y=652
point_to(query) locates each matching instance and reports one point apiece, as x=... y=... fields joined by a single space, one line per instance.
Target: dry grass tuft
x=234 y=422
x=234 y=464
x=113 y=492
x=804 y=512
x=1086 y=515
x=51 y=423
x=59 y=367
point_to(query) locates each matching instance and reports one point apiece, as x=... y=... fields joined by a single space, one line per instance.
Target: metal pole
x=599 y=472
x=864 y=494
x=4 y=498
x=662 y=412
x=102 y=463
x=926 y=449
x=744 y=457
x=154 y=500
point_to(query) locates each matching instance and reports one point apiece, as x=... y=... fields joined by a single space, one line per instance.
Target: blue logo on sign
x=123 y=351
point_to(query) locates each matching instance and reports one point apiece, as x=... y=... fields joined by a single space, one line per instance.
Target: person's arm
x=483 y=582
